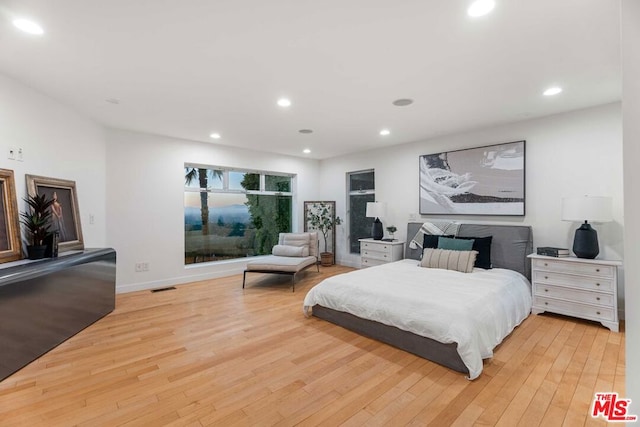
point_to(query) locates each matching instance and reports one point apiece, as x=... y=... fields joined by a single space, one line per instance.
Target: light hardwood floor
x=209 y=353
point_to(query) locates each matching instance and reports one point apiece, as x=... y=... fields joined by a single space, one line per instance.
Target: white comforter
x=476 y=310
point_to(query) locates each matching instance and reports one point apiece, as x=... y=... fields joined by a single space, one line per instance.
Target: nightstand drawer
x=576 y=295
x=586 y=282
x=574 y=268
x=584 y=311
x=378 y=247
x=370 y=262
x=382 y=256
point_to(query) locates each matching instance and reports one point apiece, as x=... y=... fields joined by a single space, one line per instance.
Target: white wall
x=58 y=143
x=631 y=128
x=567 y=154
x=145 y=203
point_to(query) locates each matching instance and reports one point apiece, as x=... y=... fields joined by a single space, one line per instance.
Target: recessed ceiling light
x=385 y=132
x=28 y=26
x=284 y=102
x=480 y=7
x=402 y=102
x=113 y=101
x=552 y=91
x=306 y=151
x=215 y=135
x=307 y=131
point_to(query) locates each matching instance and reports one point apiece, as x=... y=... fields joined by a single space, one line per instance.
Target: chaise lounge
x=293 y=253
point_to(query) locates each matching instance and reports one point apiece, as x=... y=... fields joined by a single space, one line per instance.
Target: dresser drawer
x=370 y=262
x=574 y=309
x=574 y=268
x=603 y=284
x=575 y=295
x=382 y=256
x=377 y=247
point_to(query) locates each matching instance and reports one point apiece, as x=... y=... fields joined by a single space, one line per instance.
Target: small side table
x=376 y=252
x=578 y=287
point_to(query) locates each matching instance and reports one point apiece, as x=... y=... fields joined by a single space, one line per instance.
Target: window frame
x=351 y=193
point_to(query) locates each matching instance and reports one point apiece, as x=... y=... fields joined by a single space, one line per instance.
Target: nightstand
x=578 y=287
x=376 y=252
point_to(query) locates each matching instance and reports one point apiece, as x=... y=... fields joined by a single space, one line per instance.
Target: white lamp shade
x=587 y=208
x=376 y=209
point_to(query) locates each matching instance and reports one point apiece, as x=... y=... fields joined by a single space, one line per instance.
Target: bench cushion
x=281 y=263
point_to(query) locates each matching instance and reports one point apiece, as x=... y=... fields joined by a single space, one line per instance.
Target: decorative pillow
x=297 y=239
x=483 y=246
x=455 y=244
x=431 y=240
x=461 y=261
x=292 y=251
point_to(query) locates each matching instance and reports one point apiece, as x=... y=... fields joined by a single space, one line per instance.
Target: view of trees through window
x=232 y=214
x=361 y=190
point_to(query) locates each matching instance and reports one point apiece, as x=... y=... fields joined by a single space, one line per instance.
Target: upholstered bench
x=293 y=253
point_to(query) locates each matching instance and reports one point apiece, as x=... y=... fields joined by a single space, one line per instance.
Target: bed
x=452 y=318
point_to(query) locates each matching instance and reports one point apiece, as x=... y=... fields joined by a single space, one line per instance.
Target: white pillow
x=461 y=261
x=292 y=251
x=297 y=239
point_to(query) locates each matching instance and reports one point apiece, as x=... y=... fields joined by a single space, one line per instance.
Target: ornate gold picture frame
x=10 y=244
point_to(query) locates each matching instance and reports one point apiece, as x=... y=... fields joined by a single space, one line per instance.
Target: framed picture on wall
x=487 y=180
x=323 y=215
x=65 y=215
x=10 y=244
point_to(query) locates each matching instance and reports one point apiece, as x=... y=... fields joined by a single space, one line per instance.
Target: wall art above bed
x=487 y=180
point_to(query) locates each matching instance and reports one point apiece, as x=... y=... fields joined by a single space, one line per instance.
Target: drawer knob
x=597 y=284
x=598 y=298
x=597 y=270
x=385 y=256
x=546 y=290
x=546 y=303
x=598 y=313
x=545 y=264
x=546 y=277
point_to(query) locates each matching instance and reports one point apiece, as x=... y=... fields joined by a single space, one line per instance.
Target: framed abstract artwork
x=10 y=244
x=487 y=180
x=65 y=214
x=321 y=216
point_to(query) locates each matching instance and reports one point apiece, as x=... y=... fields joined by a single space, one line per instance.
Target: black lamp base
x=376 y=230
x=585 y=242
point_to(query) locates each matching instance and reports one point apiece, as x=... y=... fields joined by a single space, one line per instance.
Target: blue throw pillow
x=431 y=240
x=455 y=244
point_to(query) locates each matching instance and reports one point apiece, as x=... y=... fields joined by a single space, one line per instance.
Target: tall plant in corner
x=37 y=221
x=321 y=218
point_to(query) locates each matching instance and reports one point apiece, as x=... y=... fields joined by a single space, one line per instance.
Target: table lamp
x=586 y=208
x=376 y=210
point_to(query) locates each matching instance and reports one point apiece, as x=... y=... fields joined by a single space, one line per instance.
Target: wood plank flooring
x=211 y=353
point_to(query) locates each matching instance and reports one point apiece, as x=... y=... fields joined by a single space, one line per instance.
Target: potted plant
x=392 y=229
x=37 y=221
x=322 y=219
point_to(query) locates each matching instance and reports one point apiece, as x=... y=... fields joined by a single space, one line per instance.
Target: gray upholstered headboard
x=509 y=247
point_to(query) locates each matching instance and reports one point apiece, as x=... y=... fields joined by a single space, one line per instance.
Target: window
x=361 y=190
x=233 y=214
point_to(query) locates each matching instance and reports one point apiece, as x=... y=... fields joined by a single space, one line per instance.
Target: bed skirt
x=443 y=354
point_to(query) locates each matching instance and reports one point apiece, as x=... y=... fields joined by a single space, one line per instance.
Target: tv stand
x=45 y=302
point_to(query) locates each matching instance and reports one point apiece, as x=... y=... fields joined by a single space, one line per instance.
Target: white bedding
x=476 y=310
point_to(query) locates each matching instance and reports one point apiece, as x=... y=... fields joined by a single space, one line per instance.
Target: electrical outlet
x=20 y=155
x=141 y=267
x=92 y=219
x=11 y=155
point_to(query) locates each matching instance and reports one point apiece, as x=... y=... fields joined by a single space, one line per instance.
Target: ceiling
x=188 y=68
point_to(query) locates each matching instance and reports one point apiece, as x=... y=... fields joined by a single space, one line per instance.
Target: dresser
x=578 y=287
x=376 y=252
